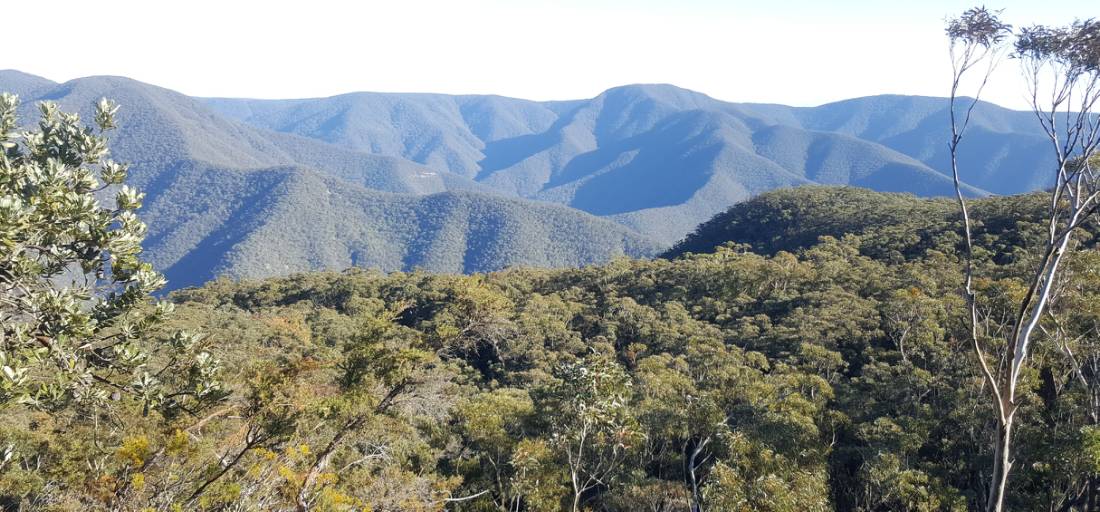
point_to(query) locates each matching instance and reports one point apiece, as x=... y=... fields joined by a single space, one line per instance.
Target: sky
x=795 y=52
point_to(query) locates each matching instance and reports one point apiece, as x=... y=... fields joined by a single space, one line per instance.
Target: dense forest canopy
x=829 y=373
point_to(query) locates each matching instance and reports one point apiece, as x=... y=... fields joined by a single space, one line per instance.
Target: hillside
x=161 y=128
x=661 y=159
x=443 y=132
x=23 y=84
x=285 y=220
x=886 y=226
x=1005 y=150
x=225 y=198
x=733 y=380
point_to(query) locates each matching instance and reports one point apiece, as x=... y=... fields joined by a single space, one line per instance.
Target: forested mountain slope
x=1005 y=153
x=23 y=84
x=661 y=159
x=287 y=219
x=159 y=128
x=440 y=131
x=831 y=372
x=887 y=226
x=225 y=198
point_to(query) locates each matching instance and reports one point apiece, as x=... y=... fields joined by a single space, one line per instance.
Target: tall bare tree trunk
x=980 y=34
x=1002 y=466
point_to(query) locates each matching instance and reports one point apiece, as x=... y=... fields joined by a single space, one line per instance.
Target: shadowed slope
x=657 y=158
x=1005 y=151
x=290 y=220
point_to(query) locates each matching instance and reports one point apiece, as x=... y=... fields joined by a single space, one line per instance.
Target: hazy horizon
x=801 y=53
x=294 y=98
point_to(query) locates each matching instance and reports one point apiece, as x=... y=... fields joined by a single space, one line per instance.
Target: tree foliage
x=833 y=375
x=80 y=343
x=74 y=305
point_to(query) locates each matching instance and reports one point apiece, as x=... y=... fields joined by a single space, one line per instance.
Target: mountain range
x=661 y=159
x=253 y=188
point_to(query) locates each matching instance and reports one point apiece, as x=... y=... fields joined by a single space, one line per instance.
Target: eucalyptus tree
x=591 y=423
x=1062 y=70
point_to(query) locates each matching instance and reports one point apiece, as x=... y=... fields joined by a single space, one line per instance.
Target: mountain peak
x=664 y=93
x=107 y=82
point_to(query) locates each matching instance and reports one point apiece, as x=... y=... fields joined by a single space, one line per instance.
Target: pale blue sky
x=798 y=52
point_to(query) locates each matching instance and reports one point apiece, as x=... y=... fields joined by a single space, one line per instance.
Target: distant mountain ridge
x=226 y=198
x=290 y=219
x=160 y=127
x=661 y=159
x=462 y=183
